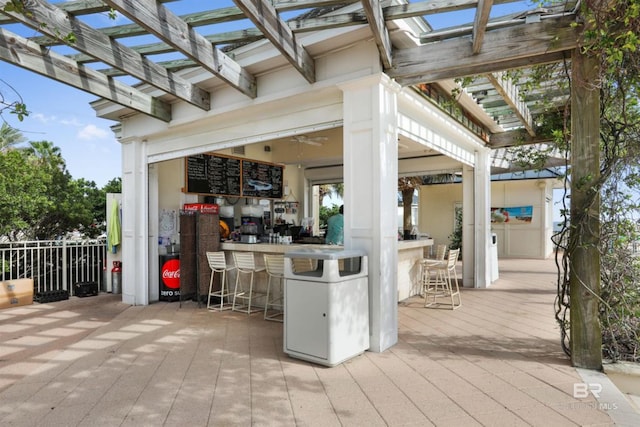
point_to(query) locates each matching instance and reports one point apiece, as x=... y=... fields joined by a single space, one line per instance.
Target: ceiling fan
x=311 y=140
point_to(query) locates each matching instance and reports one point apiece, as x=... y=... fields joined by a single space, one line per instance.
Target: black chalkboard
x=217 y=175
x=230 y=176
x=261 y=180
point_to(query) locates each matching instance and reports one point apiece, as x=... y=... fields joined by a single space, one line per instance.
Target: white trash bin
x=493 y=257
x=326 y=313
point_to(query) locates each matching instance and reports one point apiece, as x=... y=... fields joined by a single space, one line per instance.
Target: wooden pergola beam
x=423 y=8
x=168 y=27
x=480 y=24
x=19 y=51
x=54 y=22
x=244 y=36
x=78 y=7
x=511 y=95
x=505 y=48
x=373 y=11
x=265 y=17
x=212 y=17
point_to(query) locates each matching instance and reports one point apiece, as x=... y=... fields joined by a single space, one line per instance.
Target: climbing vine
x=610 y=34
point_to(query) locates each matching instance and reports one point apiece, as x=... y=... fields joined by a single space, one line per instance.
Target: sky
x=62 y=115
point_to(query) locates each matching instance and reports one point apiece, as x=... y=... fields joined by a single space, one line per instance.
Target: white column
x=476 y=213
x=482 y=180
x=135 y=231
x=371 y=187
x=468 y=226
x=153 y=227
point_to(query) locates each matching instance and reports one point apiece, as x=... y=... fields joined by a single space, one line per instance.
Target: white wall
x=521 y=240
x=437 y=204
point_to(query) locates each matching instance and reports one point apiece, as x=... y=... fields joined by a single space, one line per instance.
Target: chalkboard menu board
x=231 y=176
x=261 y=180
x=208 y=174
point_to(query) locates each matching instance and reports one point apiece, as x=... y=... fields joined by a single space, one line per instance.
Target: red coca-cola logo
x=171 y=274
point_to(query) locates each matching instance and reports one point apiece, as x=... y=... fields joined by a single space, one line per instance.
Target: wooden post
x=407 y=200
x=584 y=279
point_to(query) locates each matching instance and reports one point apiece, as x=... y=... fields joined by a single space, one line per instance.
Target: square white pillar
x=476 y=219
x=135 y=230
x=371 y=188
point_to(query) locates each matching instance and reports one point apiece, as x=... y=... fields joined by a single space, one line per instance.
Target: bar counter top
x=410 y=252
x=271 y=248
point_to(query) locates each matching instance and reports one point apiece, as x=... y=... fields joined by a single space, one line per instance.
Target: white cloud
x=90 y=132
x=71 y=122
x=53 y=119
x=44 y=118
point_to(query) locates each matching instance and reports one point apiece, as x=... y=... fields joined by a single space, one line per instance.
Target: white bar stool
x=275 y=271
x=246 y=265
x=443 y=285
x=218 y=264
x=425 y=267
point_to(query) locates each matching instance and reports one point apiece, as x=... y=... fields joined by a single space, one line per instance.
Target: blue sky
x=61 y=114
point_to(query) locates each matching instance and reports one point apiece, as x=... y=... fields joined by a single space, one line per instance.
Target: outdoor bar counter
x=409 y=253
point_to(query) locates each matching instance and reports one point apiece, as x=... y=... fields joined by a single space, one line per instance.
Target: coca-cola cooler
x=170 y=277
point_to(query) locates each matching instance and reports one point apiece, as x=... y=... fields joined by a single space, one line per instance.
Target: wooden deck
x=98 y=362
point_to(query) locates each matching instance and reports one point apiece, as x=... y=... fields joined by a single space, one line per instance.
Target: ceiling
x=153 y=44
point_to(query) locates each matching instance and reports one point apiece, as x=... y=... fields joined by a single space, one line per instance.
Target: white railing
x=54 y=265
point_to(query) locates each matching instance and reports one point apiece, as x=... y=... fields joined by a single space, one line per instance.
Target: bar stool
x=426 y=263
x=218 y=264
x=275 y=271
x=246 y=265
x=443 y=284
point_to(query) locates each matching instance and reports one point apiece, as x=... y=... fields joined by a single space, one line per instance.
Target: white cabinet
x=326 y=309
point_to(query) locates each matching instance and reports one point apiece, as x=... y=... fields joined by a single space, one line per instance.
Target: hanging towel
x=113 y=231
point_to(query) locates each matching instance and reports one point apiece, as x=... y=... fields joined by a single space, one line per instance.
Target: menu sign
x=261 y=180
x=231 y=176
x=207 y=174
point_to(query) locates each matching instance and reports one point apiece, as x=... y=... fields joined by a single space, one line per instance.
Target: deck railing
x=56 y=264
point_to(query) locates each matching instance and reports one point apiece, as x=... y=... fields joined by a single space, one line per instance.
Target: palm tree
x=9 y=137
x=325 y=190
x=407 y=186
x=46 y=154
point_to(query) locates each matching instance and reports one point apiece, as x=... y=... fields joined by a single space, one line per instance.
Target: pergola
x=111 y=62
x=141 y=65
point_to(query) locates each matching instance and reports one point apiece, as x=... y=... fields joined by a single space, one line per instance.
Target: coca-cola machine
x=170 y=277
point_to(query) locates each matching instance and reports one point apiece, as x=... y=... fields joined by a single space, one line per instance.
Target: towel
x=113 y=229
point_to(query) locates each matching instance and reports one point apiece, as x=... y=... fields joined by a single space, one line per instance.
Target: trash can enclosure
x=326 y=318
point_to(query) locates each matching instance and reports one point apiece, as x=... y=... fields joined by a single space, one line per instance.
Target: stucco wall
x=531 y=240
x=436 y=210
